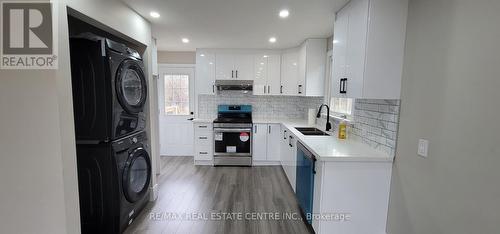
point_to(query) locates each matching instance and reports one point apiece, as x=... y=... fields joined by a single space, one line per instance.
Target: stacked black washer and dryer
x=114 y=166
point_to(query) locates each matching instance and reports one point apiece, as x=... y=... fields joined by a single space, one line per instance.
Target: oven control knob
x=134 y=139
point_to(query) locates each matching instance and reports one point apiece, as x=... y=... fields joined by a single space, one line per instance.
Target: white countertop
x=326 y=148
x=330 y=148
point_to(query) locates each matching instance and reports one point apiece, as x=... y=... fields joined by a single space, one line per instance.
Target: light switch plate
x=423 y=148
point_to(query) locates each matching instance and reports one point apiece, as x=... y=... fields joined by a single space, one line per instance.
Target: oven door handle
x=232 y=130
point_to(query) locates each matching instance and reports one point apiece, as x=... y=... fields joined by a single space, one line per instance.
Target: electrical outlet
x=423 y=148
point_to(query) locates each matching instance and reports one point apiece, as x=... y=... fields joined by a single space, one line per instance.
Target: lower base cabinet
x=355 y=195
x=266 y=144
x=349 y=197
x=288 y=155
x=203 y=143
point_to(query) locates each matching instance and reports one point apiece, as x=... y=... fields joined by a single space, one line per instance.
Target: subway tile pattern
x=264 y=107
x=376 y=123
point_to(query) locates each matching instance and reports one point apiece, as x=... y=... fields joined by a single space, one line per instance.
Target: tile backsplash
x=263 y=107
x=374 y=122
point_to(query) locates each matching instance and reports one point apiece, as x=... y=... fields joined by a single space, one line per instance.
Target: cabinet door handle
x=255 y=129
x=236 y=73
x=203 y=152
x=281 y=89
x=269 y=89
x=269 y=128
x=284 y=134
x=213 y=88
x=232 y=73
x=300 y=89
x=202 y=138
x=264 y=89
x=343 y=85
x=203 y=126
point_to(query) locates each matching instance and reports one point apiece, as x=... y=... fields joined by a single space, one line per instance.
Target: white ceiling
x=237 y=23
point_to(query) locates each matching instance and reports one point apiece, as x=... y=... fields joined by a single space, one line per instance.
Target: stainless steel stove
x=233 y=136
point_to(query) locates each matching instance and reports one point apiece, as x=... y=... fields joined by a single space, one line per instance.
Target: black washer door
x=136 y=175
x=131 y=86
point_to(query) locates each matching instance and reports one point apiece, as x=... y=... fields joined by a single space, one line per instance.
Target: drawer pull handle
x=203 y=152
x=203 y=126
x=202 y=138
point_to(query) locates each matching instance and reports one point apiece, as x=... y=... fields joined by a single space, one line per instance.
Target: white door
x=243 y=66
x=224 y=66
x=340 y=43
x=259 y=148
x=205 y=72
x=260 y=77
x=273 y=142
x=290 y=72
x=274 y=74
x=357 y=30
x=176 y=98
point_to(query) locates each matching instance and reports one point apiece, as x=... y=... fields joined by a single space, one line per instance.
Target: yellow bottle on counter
x=342 y=130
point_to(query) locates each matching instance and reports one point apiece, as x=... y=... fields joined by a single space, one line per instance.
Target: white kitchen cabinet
x=234 y=65
x=303 y=69
x=205 y=72
x=259 y=142
x=265 y=145
x=357 y=191
x=369 y=38
x=203 y=143
x=224 y=68
x=313 y=67
x=288 y=155
x=267 y=69
x=273 y=142
x=290 y=72
x=243 y=66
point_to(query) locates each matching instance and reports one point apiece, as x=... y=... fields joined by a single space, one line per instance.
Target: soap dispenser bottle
x=342 y=134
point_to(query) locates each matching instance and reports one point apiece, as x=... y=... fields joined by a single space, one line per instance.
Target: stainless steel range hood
x=234 y=85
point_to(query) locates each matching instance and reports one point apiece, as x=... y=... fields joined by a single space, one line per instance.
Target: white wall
x=450 y=95
x=38 y=161
x=177 y=57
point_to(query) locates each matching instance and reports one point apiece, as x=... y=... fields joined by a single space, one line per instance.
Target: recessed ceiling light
x=185 y=40
x=265 y=56
x=272 y=39
x=154 y=14
x=335 y=41
x=284 y=13
x=202 y=55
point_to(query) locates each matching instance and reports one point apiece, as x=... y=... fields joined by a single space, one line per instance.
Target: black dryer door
x=136 y=175
x=131 y=86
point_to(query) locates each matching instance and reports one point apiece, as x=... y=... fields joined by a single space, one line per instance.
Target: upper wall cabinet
x=290 y=72
x=303 y=69
x=205 y=72
x=234 y=65
x=267 y=74
x=368 y=47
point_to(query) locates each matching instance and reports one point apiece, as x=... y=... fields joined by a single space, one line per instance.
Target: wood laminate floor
x=206 y=199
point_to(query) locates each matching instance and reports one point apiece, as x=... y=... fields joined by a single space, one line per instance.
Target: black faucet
x=328 y=125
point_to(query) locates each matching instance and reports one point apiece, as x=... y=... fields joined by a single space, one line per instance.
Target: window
x=341 y=105
x=176 y=94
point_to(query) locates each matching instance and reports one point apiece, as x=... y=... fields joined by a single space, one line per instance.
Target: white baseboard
x=153 y=195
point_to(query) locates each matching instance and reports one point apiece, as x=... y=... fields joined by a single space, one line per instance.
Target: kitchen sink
x=312 y=132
